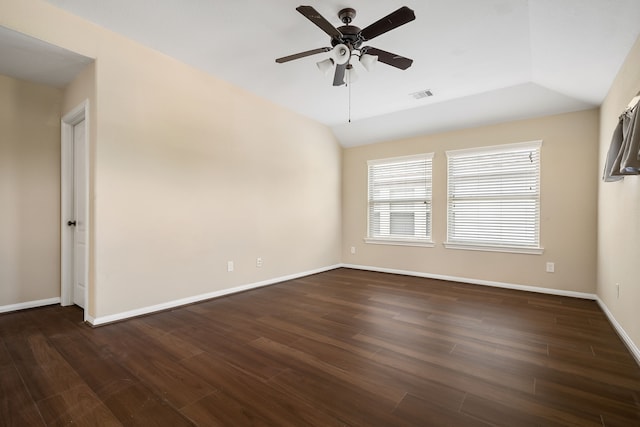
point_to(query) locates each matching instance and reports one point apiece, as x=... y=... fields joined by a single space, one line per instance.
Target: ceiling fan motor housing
x=350 y=33
x=350 y=36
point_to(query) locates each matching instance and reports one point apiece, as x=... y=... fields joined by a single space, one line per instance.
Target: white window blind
x=494 y=198
x=400 y=199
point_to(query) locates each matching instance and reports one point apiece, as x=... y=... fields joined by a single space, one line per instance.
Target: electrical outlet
x=229 y=266
x=551 y=267
x=258 y=262
x=353 y=249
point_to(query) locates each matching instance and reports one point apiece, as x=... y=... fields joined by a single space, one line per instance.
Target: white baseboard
x=101 y=320
x=527 y=288
x=29 y=304
x=633 y=348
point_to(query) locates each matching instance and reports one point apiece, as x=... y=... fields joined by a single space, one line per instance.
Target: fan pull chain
x=349 y=84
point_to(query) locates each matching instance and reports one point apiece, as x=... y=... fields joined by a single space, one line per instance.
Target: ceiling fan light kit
x=368 y=61
x=341 y=54
x=352 y=75
x=325 y=65
x=347 y=40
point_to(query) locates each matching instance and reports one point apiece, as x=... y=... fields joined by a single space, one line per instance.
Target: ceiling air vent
x=422 y=94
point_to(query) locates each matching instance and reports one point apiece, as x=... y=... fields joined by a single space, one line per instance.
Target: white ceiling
x=27 y=58
x=486 y=61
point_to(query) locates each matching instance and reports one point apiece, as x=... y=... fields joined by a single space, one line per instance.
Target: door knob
x=71 y=223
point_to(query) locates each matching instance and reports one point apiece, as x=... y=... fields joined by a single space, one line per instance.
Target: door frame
x=69 y=120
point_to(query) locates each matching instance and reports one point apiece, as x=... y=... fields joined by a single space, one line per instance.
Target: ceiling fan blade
x=302 y=54
x=312 y=15
x=388 y=23
x=338 y=77
x=389 y=58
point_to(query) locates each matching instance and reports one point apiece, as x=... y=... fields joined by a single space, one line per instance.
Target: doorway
x=75 y=207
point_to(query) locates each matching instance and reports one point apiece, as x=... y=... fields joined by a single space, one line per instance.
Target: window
x=494 y=198
x=400 y=200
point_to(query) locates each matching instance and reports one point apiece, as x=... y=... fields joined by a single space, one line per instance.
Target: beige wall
x=29 y=192
x=619 y=212
x=189 y=172
x=568 y=206
x=192 y=173
x=81 y=89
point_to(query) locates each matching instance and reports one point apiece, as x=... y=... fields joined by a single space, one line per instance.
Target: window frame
x=534 y=249
x=396 y=240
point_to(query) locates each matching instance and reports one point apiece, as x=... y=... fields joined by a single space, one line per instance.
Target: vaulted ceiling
x=485 y=61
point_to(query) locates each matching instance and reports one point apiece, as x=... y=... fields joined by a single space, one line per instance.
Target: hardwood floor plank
x=459 y=364
x=335 y=324
x=522 y=412
x=591 y=386
x=354 y=364
x=306 y=362
x=621 y=356
x=171 y=381
x=16 y=405
x=314 y=331
x=136 y=405
x=241 y=397
x=615 y=420
x=427 y=328
x=591 y=366
x=5 y=357
x=31 y=348
x=348 y=404
x=571 y=399
x=78 y=406
x=43 y=381
x=240 y=355
x=170 y=344
x=422 y=412
x=218 y=409
x=94 y=364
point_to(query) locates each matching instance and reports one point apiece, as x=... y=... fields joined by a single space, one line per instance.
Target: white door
x=79 y=222
x=74 y=199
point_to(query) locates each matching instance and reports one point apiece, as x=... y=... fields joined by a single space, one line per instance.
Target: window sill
x=399 y=242
x=489 y=248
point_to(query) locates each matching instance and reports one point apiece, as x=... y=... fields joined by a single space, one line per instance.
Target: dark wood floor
x=344 y=347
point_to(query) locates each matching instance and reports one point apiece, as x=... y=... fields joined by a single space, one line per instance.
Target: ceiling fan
x=347 y=40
